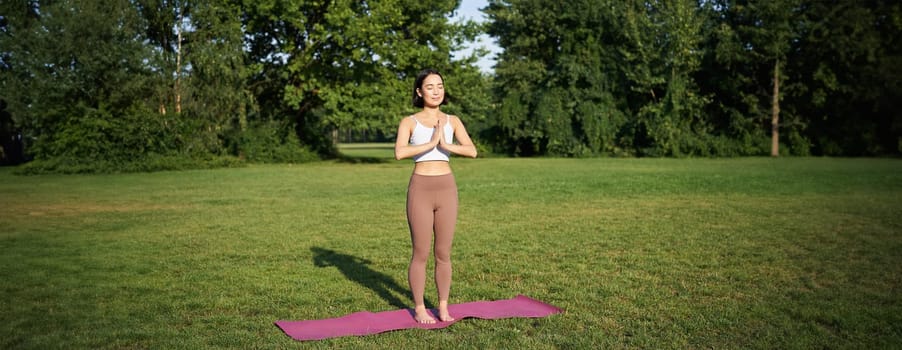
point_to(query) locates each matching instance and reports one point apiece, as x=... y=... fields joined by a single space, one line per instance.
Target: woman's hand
x=438 y=133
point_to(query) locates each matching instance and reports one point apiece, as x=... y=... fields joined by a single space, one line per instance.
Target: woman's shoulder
x=455 y=120
x=408 y=120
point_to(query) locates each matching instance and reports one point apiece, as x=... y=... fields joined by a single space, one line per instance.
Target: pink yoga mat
x=365 y=323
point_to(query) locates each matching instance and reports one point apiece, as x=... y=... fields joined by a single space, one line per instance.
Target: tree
x=849 y=60
x=108 y=83
x=555 y=79
x=345 y=64
x=581 y=77
x=72 y=70
x=663 y=53
x=199 y=69
x=755 y=40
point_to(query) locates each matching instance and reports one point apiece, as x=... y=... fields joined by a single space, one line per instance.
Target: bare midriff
x=432 y=168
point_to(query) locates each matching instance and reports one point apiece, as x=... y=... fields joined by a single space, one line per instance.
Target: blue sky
x=469 y=9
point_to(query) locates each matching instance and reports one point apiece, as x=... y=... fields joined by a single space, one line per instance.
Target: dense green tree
x=676 y=78
x=73 y=70
x=833 y=61
x=849 y=63
x=766 y=32
x=583 y=77
x=114 y=82
x=199 y=67
x=662 y=53
x=737 y=112
x=556 y=78
x=109 y=84
x=213 y=88
x=345 y=64
x=106 y=85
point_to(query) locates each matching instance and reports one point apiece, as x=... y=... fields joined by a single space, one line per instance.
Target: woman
x=427 y=137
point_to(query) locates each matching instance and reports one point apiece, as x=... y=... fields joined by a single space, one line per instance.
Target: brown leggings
x=431 y=207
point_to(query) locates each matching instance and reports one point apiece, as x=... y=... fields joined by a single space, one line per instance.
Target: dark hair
x=417 y=100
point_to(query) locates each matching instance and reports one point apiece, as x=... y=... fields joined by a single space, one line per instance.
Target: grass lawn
x=641 y=253
x=378 y=151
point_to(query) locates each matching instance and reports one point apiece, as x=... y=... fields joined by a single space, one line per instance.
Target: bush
x=272 y=142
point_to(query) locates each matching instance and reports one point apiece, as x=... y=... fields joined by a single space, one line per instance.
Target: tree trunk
x=178 y=65
x=775 y=113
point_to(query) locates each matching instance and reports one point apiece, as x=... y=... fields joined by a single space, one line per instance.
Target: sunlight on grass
x=646 y=253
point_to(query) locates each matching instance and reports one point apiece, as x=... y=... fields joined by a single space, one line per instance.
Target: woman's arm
x=464 y=146
x=403 y=148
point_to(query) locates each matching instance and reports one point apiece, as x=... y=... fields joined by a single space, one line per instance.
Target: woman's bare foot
x=443 y=314
x=422 y=315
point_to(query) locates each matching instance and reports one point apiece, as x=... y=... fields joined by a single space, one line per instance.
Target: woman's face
x=432 y=91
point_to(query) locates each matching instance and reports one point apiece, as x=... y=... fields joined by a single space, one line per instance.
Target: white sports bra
x=422 y=134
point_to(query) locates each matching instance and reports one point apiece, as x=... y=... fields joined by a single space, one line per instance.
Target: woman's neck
x=432 y=112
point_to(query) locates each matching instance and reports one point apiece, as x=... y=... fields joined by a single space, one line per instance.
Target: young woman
x=427 y=137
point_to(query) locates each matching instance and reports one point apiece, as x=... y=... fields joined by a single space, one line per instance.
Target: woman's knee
x=420 y=256
x=442 y=257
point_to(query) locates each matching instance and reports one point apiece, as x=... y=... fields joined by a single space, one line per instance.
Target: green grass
x=641 y=253
x=374 y=150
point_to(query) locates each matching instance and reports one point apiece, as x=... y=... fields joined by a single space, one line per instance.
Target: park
x=664 y=174
x=639 y=253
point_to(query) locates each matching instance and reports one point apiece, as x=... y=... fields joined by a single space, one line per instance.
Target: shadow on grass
x=356 y=269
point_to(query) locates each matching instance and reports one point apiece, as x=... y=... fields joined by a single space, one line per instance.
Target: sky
x=469 y=9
